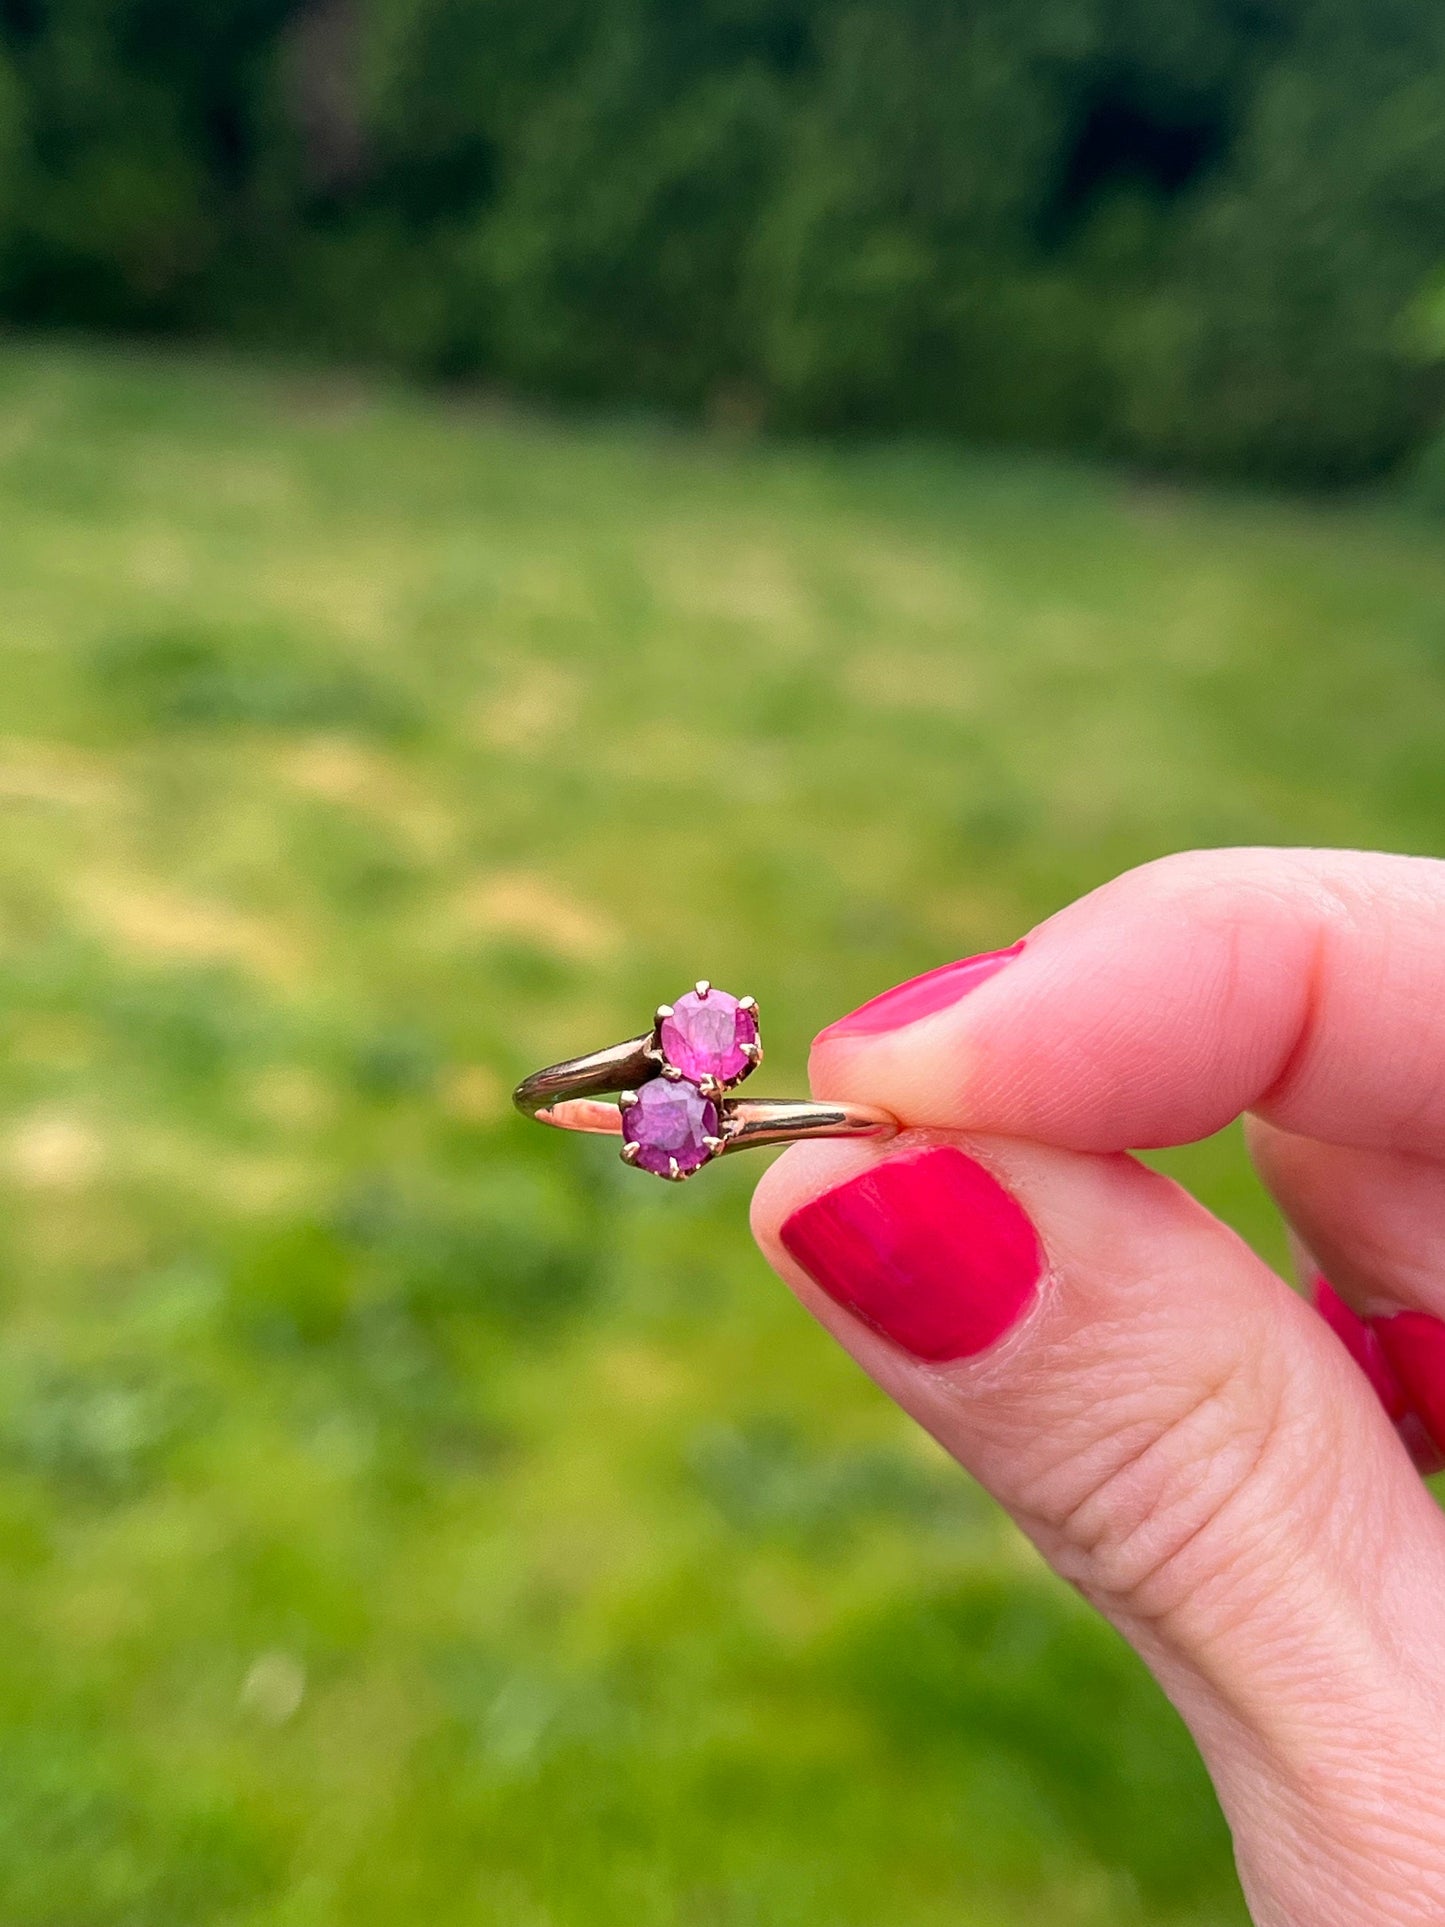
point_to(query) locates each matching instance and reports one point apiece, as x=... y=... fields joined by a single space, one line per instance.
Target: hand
x=1183 y=1437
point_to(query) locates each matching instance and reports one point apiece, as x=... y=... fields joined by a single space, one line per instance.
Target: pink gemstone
x=705 y=1036
x=671 y=1119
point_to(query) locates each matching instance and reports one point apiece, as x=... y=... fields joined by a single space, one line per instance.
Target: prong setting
x=711 y=1037
x=700 y=1047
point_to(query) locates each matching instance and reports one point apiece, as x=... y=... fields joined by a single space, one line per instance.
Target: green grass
x=406 y=1515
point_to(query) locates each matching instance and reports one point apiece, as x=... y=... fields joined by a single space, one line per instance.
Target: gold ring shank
x=761 y=1121
x=567 y=1096
x=621 y=1068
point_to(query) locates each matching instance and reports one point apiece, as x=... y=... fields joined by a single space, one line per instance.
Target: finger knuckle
x=1188 y=1499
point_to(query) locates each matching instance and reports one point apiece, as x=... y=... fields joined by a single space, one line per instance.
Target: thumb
x=1184 y=1441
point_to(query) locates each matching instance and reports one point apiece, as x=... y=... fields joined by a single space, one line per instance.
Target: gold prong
x=714 y=1144
x=630 y=1152
x=671 y=1073
x=747 y=1003
x=672 y=1171
x=626 y=1100
x=710 y=1087
x=753 y=1053
x=664 y=1011
x=702 y=986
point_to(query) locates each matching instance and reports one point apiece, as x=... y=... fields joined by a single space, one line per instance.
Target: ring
x=671 y=1085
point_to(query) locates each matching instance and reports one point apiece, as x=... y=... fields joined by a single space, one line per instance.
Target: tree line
x=1201 y=234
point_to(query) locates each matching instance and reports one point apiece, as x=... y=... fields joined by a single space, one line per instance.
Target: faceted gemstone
x=704 y=1037
x=671 y=1119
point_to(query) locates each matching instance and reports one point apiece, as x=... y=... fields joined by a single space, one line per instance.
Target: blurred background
x=507 y=506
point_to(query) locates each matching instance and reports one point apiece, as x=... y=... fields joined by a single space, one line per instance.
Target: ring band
x=673 y=1111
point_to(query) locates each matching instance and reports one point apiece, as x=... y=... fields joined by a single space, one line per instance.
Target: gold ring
x=673 y=1110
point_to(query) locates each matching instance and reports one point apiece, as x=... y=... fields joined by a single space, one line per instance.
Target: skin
x=1175 y=1428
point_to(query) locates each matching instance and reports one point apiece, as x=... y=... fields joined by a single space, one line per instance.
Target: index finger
x=1307 y=986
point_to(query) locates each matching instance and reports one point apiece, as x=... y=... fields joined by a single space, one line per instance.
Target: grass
x=407 y=1516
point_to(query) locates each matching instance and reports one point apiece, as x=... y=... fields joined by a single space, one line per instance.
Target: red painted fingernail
x=927 y=1248
x=1365 y=1344
x=1413 y=1344
x=920 y=996
x=1361 y=1343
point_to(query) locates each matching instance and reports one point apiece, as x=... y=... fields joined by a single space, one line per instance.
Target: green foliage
x=1193 y=234
x=408 y=1516
x=991 y=1659
x=210 y=675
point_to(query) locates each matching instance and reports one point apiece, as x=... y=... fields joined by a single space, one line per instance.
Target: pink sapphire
x=671 y=1120
x=707 y=1036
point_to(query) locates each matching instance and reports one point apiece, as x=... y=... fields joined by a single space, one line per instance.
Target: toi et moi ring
x=672 y=1110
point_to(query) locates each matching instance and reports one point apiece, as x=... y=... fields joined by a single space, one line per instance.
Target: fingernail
x=920 y=996
x=1361 y=1343
x=928 y=1249
x=1366 y=1345
x=1413 y=1344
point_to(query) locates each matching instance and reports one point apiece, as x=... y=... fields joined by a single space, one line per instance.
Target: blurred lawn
x=407 y=1516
